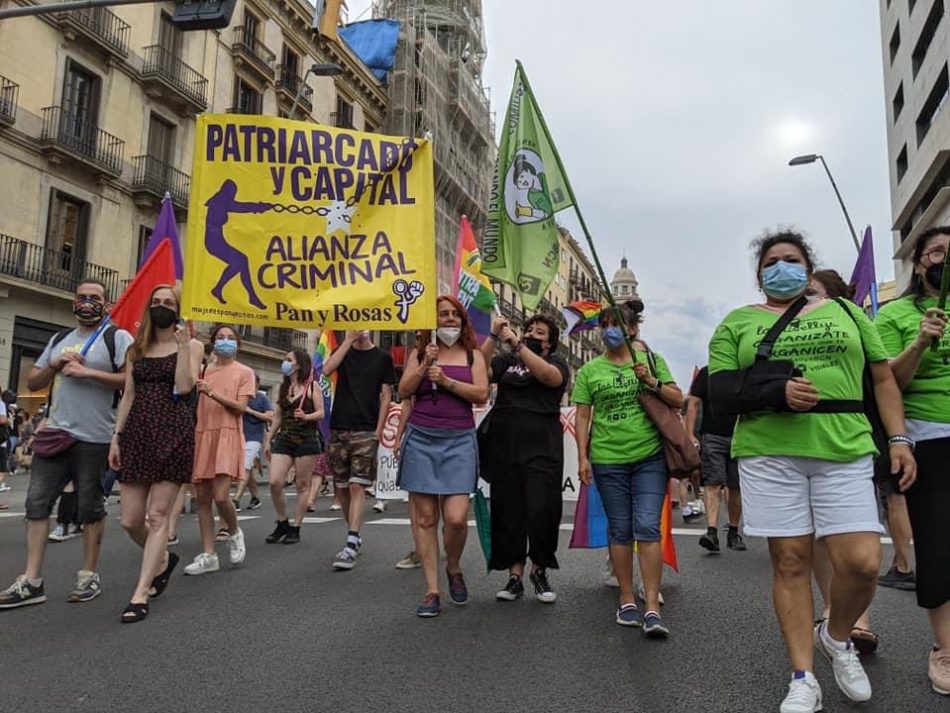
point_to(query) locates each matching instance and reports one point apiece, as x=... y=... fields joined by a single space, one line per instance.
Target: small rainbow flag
x=590 y=525
x=472 y=287
x=325 y=347
x=581 y=316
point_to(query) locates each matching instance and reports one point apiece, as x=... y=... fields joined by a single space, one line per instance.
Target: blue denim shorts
x=633 y=496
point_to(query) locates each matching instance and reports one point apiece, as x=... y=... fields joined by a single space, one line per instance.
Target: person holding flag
x=365 y=376
x=620 y=450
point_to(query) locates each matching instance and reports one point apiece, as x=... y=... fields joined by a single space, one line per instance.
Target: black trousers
x=526 y=460
x=928 y=500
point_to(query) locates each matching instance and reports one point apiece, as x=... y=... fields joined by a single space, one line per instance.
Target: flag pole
x=580 y=216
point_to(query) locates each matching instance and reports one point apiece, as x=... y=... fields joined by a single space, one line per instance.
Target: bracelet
x=519 y=347
x=495 y=338
x=901 y=440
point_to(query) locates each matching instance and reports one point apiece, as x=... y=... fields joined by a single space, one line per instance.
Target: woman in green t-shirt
x=810 y=474
x=626 y=457
x=908 y=327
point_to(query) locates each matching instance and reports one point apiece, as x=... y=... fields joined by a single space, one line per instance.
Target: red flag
x=667 y=545
x=158 y=269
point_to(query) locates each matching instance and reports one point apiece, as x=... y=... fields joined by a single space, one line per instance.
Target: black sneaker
x=279 y=533
x=293 y=535
x=512 y=591
x=710 y=541
x=542 y=589
x=237 y=505
x=21 y=593
x=735 y=542
x=255 y=503
x=895 y=579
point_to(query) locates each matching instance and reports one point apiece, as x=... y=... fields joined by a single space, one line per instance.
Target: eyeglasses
x=936 y=255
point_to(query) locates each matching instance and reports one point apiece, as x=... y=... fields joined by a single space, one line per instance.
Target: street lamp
x=317 y=70
x=811 y=158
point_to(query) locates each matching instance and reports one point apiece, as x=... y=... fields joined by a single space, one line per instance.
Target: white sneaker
x=335 y=508
x=804 y=695
x=203 y=563
x=849 y=673
x=4 y=487
x=236 y=547
x=380 y=506
x=642 y=595
x=58 y=534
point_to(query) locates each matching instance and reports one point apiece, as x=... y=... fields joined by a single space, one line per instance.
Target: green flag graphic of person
x=520 y=243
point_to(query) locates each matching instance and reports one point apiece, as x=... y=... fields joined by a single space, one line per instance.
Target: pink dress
x=219 y=433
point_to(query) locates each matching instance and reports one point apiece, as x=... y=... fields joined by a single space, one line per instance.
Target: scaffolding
x=436 y=88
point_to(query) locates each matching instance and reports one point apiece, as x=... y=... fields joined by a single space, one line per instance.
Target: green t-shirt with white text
x=829 y=347
x=621 y=432
x=928 y=396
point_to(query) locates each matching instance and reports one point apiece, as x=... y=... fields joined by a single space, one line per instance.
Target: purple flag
x=864 y=277
x=166 y=227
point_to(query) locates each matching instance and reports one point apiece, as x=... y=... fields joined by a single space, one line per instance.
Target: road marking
x=320 y=520
x=389 y=521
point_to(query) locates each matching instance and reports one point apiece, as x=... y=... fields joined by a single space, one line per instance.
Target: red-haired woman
x=439 y=456
x=153 y=447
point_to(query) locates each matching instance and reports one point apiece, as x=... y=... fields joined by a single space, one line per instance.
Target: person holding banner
x=84 y=373
x=620 y=450
x=793 y=370
x=914 y=331
x=153 y=446
x=225 y=389
x=525 y=457
x=438 y=463
x=293 y=440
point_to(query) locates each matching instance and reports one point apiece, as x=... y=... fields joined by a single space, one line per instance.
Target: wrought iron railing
x=9 y=91
x=101 y=24
x=70 y=130
x=245 y=41
x=162 y=62
x=153 y=174
x=53 y=268
x=283 y=339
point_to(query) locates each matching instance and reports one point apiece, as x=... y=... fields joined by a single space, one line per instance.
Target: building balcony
x=69 y=135
x=250 y=52
x=152 y=177
x=9 y=92
x=169 y=79
x=275 y=338
x=288 y=85
x=50 y=268
x=99 y=26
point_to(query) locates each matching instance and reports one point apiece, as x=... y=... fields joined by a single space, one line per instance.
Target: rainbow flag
x=581 y=316
x=472 y=286
x=325 y=347
x=590 y=525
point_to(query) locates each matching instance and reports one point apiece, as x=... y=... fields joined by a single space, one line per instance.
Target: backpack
x=109 y=337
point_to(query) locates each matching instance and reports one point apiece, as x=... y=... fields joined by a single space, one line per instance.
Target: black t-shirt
x=518 y=390
x=360 y=381
x=713 y=422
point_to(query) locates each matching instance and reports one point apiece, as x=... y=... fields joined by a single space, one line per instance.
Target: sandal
x=135 y=612
x=161 y=580
x=223 y=535
x=865 y=641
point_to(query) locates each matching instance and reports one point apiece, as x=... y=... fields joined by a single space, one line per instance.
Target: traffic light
x=203 y=14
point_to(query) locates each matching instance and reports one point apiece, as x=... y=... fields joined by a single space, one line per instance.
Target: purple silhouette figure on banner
x=220 y=205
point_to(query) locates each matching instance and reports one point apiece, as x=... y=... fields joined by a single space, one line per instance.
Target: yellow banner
x=292 y=224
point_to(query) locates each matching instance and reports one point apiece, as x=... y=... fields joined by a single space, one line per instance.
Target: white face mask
x=448 y=335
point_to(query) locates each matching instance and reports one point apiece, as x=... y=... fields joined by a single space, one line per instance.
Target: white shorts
x=787 y=496
x=252 y=451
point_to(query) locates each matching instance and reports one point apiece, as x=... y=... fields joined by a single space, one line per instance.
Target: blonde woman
x=153 y=447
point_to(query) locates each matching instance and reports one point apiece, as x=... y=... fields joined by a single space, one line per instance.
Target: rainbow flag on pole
x=325 y=347
x=472 y=286
x=581 y=316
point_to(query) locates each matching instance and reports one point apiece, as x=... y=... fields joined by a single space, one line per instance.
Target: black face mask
x=162 y=317
x=535 y=345
x=934 y=275
x=88 y=312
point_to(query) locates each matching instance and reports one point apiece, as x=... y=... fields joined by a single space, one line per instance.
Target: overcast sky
x=675 y=122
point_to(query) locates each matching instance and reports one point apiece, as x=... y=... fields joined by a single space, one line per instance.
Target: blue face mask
x=226 y=347
x=286 y=368
x=613 y=337
x=784 y=279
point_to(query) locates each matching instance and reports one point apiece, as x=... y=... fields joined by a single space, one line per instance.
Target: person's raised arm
x=415 y=372
x=333 y=361
x=476 y=392
x=540 y=369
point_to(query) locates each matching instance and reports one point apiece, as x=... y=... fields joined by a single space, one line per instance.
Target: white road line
x=319 y=520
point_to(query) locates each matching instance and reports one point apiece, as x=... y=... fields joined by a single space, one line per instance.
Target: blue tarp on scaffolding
x=374 y=42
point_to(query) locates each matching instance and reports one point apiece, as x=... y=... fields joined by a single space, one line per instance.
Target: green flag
x=520 y=243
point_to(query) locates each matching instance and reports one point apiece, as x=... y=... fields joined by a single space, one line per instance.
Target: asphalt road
x=284 y=632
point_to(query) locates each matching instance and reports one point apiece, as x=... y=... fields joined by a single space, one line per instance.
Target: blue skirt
x=436 y=461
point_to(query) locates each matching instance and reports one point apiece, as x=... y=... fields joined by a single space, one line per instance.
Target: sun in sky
x=794 y=133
